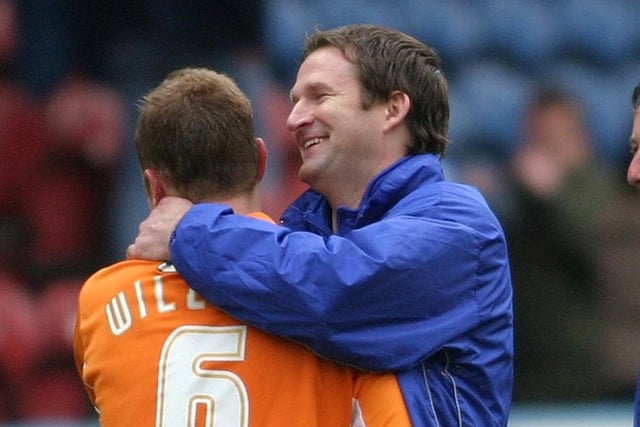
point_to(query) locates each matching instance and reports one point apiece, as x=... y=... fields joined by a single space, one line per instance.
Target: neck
x=241 y=204
x=346 y=192
x=349 y=199
x=348 y=189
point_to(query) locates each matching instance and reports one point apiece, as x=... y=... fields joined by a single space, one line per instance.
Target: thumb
x=131 y=251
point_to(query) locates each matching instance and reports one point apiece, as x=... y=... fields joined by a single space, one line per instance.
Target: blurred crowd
x=550 y=160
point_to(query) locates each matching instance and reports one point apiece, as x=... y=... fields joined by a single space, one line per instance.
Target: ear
x=154 y=185
x=262 y=159
x=397 y=109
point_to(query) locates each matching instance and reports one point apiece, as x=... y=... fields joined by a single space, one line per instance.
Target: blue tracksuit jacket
x=416 y=280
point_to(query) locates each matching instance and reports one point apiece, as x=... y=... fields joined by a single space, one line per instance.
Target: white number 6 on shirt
x=184 y=386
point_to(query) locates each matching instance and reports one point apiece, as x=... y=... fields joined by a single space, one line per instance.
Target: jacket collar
x=311 y=211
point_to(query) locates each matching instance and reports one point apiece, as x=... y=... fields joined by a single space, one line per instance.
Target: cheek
x=370 y=122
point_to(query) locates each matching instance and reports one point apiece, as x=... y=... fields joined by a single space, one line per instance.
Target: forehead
x=325 y=66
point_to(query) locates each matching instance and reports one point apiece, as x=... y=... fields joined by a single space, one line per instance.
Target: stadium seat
x=604 y=31
x=492 y=96
x=523 y=32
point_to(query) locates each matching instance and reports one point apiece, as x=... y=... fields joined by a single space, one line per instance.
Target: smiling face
x=342 y=145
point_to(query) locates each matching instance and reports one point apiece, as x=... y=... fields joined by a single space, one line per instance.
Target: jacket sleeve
x=384 y=296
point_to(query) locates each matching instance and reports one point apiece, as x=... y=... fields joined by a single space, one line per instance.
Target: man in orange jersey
x=151 y=352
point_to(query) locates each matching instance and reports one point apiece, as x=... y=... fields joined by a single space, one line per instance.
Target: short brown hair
x=389 y=60
x=196 y=128
x=635 y=98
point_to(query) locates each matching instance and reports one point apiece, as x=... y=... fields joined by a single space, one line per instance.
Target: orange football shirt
x=151 y=352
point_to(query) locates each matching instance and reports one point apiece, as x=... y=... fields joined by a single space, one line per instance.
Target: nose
x=633 y=172
x=299 y=116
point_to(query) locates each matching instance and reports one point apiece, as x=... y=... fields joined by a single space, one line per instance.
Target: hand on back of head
x=152 y=241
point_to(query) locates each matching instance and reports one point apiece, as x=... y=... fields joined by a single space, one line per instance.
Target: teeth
x=312 y=141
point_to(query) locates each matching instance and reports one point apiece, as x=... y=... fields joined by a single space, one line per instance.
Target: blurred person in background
x=633 y=172
x=617 y=263
x=633 y=178
x=69 y=193
x=133 y=44
x=560 y=190
x=195 y=139
x=57 y=152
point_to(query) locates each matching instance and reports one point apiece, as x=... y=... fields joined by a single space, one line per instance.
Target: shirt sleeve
x=384 y=296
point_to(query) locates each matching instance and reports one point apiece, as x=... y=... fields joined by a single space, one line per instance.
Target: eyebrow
x=310 y=87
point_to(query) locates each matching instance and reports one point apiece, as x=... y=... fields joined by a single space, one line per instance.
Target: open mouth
x=311 y=142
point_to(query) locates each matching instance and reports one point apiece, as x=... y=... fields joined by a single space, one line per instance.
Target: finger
x=131 y=251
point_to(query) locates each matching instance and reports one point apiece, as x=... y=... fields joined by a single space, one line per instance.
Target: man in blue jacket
x=381 y=264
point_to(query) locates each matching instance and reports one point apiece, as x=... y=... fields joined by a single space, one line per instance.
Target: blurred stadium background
x=71 y=197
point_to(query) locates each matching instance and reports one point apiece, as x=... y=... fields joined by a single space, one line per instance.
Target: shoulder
x=109 y=279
